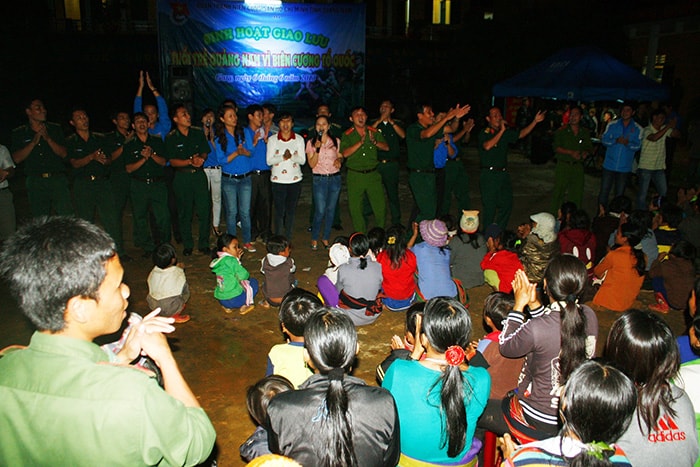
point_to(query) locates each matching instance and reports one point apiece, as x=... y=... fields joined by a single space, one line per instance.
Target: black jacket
x=294 y=422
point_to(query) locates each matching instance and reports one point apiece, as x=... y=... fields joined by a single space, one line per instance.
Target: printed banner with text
x=295 y=55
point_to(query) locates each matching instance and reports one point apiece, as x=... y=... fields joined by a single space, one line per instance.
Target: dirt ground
x=222 y=354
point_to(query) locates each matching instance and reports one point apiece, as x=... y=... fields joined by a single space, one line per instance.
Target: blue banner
x=295 y=55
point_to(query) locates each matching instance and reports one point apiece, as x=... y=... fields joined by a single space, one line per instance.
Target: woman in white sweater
x=285 y=156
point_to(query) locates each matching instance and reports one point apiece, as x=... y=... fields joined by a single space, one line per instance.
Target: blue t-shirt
x=422 y=426
x=434 y=276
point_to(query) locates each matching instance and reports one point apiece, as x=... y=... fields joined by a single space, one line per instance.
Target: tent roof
x=582 y=73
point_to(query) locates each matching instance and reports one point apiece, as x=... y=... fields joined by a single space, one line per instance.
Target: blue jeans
x=326 y=191
x=236 y=194
x=607 y=180
x=284 y=198
x=644 y=177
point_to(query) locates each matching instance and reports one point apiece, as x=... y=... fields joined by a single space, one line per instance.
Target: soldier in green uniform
x=118 y=178
x=40 y=145
x=572 y=143
x=359 y=146
x=456 y=178
x=91 y=188
x=388 y=167
x=496 y=190
x=144 y=160
x=187 y=148
x=420 y=140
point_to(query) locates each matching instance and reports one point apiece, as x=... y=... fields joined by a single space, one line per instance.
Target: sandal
x=314 y=245
x=245 y=309
x=325 y=243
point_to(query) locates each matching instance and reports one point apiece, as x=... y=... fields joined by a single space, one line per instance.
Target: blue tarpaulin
x=582 y=74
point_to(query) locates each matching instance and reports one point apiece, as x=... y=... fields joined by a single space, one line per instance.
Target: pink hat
x=434 y=232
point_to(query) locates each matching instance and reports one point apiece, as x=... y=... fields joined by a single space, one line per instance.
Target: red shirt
x=399 y=283
x=505 y=263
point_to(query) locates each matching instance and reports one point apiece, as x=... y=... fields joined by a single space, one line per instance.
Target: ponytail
x=452 y=398
x=338 y=449
x=331 y=340
x=566 y=278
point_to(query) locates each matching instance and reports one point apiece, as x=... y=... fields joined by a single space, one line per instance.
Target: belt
x=214 y=167
x=385 y=161
x=327 y=175
x=148 y=180
x=422 y=171
x=260 y=172
x=4 y=188
x=456 y=159
x=92 y=178
x=362 y=171
x=495 y=169
x=187 y=170
x=236 y=176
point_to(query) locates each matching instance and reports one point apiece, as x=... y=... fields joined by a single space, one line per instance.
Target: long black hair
x=634 y=234
x=395 y=245
x=446 y=322
x=566 y=278
x=643 y=346
x=220 y=129
x=359 y=247
x=330 y=339
x=597 y=405
x=330 y=135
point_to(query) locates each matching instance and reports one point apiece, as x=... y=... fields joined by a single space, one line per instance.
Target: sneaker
x=204 y=251
x=187 y=252
x=250 y=248
x=180 y=318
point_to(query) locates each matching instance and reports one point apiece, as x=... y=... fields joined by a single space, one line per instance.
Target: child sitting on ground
x=234 y=286
x=499 y=264
x=398 y=271
x=666 y=227
x=258 y=398
x=377 y=239
x=288 y=359
x=359 y=283
x=433 y=260
x=338 y=254
x=504 y=371
x=672 y=277
x=167 y=284
x=403 y=349
x=279 y=269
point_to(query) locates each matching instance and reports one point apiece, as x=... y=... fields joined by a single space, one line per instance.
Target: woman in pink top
x=324 y=160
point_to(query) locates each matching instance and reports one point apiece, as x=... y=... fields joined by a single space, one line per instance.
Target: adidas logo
x=666 y=431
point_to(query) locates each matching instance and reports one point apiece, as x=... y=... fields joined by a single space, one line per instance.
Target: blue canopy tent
x=582 y=74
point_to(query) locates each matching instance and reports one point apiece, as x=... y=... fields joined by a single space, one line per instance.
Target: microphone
x=320 y=135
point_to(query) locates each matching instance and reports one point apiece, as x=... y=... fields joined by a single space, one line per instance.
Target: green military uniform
x=91 y=188
x=421 y=171
x=388 y=168
x=148 y=189
x=457 y=182
x=118 y=178
x=363 y=178
x=569 y=171
x=496 y=190
x=190 y=185
x=47 y=182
